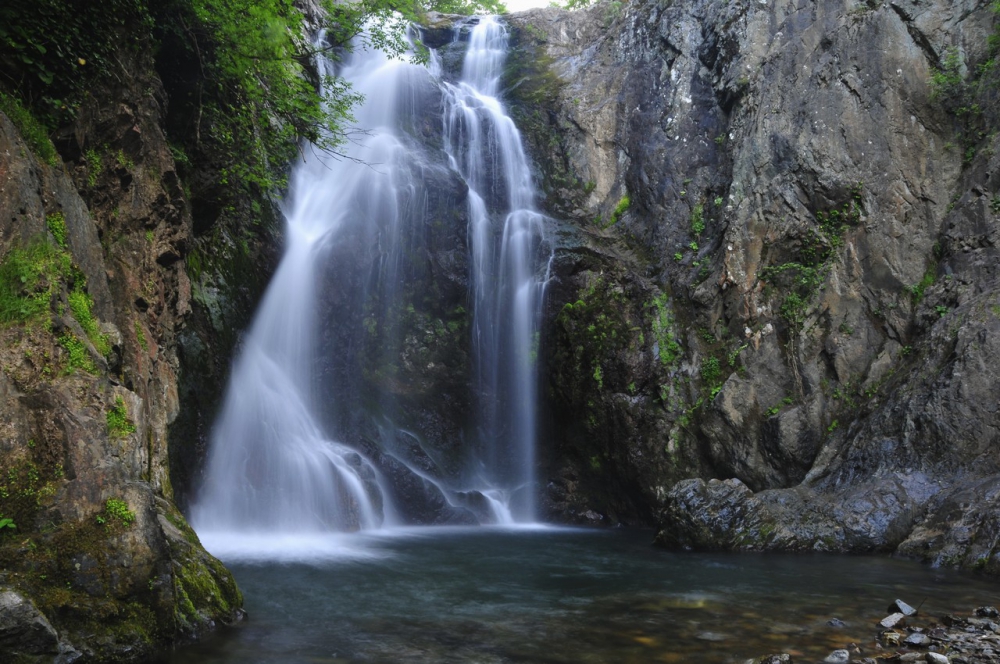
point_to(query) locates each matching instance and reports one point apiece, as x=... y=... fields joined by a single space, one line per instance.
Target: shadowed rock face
x=800 y=296
x=80 y=575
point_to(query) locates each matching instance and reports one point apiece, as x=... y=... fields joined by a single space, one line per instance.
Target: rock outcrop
x=777 y=270
x=96 y=561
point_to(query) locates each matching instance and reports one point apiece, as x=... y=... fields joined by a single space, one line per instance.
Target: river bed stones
x=950 y=639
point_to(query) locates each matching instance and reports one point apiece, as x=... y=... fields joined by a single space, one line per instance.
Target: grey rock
x=917 y=639
x=899 y=606
x=937 y=658
x=892 y=620
x=763 y=108
x=23 y=628
x=838 y=657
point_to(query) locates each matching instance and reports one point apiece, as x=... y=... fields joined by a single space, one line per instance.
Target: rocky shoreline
x=905 y=635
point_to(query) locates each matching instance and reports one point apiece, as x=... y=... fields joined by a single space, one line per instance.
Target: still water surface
x=543 y=595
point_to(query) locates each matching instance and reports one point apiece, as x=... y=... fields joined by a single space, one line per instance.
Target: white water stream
x=273 y=469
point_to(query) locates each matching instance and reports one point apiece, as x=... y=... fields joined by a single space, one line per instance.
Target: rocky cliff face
x=98 y=562
x=776 y=305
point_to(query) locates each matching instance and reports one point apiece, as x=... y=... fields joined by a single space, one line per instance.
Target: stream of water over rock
x=279 y=463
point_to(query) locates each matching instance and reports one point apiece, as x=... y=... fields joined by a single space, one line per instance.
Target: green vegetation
x=77 y=356
x=698 y=220
x=140 y=336
x=29 y=278
x=254 y=97
x=623 y=205
x=80 y=305
x=34 y=132
x=711 y=371
x=663 y=331
x=117 y=509
x=801 y=279
x=119 y=423
x=57 y=226
x=6 y=523
x=94 y=166
x=917 y=290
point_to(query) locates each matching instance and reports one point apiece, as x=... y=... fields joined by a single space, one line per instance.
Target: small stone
x=899 y=606
x=937 y=658
x=890 y=638
x=918 y=639
x=782 y=658
x=987 y=612
x=892 y=620
x=835 y=622
x=838 y=657
x=910 y=657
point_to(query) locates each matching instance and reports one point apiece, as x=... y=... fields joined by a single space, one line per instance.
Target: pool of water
x=491 y=595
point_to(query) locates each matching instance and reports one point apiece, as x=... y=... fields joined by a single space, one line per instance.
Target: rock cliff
x=96 y=562
x=776 y=305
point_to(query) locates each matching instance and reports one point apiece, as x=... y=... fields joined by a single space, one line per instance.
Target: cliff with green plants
x=774 y=315
x=141 y=144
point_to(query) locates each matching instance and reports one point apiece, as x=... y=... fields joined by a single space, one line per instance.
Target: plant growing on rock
x=119 y=423
x=117 y=509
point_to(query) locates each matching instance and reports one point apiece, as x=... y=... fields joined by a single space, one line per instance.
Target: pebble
x=838 y=657
x=937 y=658
x=835 y=622
x=918 y=639
x=892 y=620
x=988 y=612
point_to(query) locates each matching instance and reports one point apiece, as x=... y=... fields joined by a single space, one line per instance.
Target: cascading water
x=484 y=145
x=340 y=292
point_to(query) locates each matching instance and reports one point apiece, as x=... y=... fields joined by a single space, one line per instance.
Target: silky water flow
x=273 y=467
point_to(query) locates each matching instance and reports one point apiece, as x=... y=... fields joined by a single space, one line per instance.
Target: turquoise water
x=547 y=595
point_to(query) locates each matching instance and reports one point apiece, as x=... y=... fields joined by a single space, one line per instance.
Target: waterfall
x=286 y=453
x=485 y=147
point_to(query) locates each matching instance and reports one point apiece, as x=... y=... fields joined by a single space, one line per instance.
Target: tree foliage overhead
x=252 y=96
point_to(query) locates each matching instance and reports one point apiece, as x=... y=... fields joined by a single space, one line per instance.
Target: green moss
x=77 y=355
x=35 y=134
x=119 y=423
x=29 y=278
x=623 y=205
x=140 y=336
x=57 y=226
x=81 y=306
